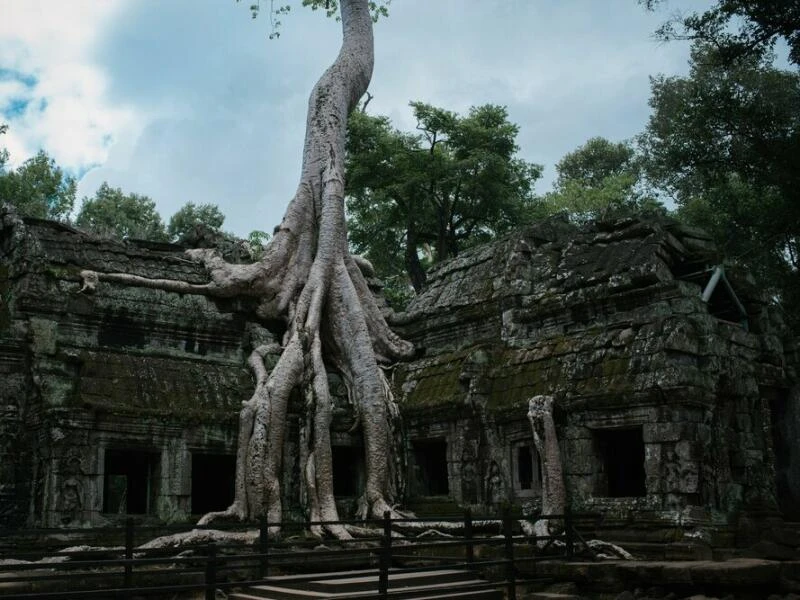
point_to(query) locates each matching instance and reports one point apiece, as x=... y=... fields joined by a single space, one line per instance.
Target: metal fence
x=39 y=566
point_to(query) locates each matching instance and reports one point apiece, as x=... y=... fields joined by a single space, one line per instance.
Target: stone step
x=453 y=593
x=440 y=584
x=486 y=594
x=366 y=579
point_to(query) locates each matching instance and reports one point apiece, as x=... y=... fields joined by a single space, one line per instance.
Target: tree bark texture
x=554 y=496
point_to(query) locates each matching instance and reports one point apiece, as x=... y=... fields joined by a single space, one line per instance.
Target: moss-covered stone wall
x=126 y=369
x=609 y=319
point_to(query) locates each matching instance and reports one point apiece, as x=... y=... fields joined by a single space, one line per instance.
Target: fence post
x=211 y=572
x=569 y=532
x=128 y=552
x=509 y=552
x=470 y=546
x=385 y=559
x=263 y=547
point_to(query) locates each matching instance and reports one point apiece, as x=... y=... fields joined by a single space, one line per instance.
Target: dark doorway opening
x=430 y=459
x=213 y=482
x=525 y=467
x=348 y=471
x=785 y=415
x=130 y=481
x=621 y=455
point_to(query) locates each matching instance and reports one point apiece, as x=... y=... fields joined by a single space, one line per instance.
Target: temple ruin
x=674 y=380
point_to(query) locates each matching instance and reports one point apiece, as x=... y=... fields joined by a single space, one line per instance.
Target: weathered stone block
x=44 y=334
x=656 y=433
x=580 y=456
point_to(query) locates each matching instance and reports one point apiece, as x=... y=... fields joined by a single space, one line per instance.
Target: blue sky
x=187 y=100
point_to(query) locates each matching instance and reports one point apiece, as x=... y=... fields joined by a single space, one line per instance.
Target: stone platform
x=741 y=577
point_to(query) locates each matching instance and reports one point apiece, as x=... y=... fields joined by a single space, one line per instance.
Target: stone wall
x=667 y=405
x=137 y=372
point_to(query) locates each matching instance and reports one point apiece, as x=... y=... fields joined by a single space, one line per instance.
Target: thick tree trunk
x=554 y=497
x=413 y=266
x=308 y=278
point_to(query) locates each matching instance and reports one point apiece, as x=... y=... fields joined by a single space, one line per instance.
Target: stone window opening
x=527 y=468
x=430 y=467
x=620 y=454
x=349 y=471
x=130 y=481
x=213 y=482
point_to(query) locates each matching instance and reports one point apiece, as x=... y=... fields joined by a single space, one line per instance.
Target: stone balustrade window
x=527 y=469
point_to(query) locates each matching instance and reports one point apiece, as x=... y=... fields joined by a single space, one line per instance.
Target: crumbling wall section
x=126 y=368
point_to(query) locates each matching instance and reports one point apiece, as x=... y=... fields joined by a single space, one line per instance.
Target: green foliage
x=738 y=28
x=599 y=180
x=416 y=199
x=257 y=240
x=190 y=215
x=595 y=161
x=725 y=143
x=331 y=8
x=38 y=188
x=111 y=213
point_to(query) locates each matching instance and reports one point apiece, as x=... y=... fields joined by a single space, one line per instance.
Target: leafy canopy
x=38 y=188
x=599 y=180
x=738 y=28
x=112 y=213
x=191 y=215
x=418 y=198
x=725 y=143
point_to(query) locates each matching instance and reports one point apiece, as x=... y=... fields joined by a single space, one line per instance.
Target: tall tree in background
x=455 y=183
x=38 y=188
x=737 y=29
x=190 y=215
x=112 y=213
x=599 y=180
x=725 y=143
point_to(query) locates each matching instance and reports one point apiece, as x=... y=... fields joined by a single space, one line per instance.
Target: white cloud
x=49 y=45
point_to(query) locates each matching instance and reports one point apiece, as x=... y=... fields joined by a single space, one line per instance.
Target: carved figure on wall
x=71 y=493
x=495 y=486
x=469 y=488
x=470 y=478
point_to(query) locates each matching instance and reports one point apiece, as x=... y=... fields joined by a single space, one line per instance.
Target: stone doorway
x=620 y=454
x=130 y=482
x=213 y=481
x=430 y=467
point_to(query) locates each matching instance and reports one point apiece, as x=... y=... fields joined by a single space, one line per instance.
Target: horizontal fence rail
x=41 y=563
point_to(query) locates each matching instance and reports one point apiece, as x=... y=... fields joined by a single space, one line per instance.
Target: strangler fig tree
x=308 y=279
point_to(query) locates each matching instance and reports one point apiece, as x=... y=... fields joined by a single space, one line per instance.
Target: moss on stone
x=5 y=298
